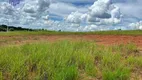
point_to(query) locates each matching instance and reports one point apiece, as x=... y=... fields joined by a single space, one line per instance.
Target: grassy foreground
x=66 y=60
x=117 y=32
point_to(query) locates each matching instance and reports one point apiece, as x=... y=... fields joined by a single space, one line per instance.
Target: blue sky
x=73 y=15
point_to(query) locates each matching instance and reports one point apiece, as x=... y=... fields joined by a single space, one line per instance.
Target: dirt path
x=100 y=39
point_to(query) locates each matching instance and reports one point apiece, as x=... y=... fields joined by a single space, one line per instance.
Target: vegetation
x=4 y=28
x=67 y=60
x=26 y=31
x=46 y=32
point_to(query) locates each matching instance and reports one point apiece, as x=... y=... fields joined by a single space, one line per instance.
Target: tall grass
x=66 y=60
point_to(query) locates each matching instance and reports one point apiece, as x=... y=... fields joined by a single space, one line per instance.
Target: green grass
x=67 y=60
x=117 y=32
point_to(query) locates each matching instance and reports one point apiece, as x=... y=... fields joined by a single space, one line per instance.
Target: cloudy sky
x=72 y=15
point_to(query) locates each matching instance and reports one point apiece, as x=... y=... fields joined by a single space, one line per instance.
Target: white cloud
x=35 y=8
x=110 y=21
x=115 y=12
x=6 y=9
x=102 y=12
x=99 y=9
x=75 y=1
x=7 y=13
x=102 y=15
x=91 y=1
x=90 y=28
x=137 y=25
x=57 y=25
x=75 y=17
x=27 y=13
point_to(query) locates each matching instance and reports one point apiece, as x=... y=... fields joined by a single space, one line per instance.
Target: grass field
x=70 y=60
x=67 y=60
x=117 y=32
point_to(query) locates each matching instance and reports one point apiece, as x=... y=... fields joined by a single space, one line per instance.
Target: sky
x=72 y=15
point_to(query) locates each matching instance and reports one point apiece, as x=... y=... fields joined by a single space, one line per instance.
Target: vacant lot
x=70 y=56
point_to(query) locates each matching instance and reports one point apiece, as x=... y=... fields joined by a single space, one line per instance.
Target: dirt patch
x=100 y=39
x=116 y=39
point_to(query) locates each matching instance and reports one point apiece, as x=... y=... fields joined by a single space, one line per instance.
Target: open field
x=112 y=55
x=117 y=32
x=105 y=38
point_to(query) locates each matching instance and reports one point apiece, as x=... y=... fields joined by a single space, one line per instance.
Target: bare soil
x=99 y=39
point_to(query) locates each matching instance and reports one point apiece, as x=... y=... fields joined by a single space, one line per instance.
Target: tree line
x=4 y=28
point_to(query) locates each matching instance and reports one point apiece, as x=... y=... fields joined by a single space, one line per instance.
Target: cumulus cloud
x=99 y=9
x=71 y=15
x=26 y=13
x=6 y=9
x=75 y=17
x=102 y=12
x=35 y=9
x=58 y=25
x=93 y=28
x=7 y=13
x=137 y=25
